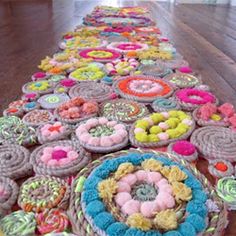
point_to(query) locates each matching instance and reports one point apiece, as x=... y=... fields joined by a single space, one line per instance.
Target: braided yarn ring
x=102 y=174
x=14 y=161
x=123 y=110
x=43 y=192
x=226 y=189
x=52 y=221
x=142 y=88
x=100 y=54
x=98 y=92
x=165 y=104
x=13 y=130
x=18 y=223
x=190 y=98
x=8 y=194
x=52 y=101
x=59 y=158
x=220 y=168
x=215 y=142
x=182 y=80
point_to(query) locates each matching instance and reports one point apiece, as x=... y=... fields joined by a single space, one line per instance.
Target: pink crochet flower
x=58 y=155
x=52 y=131
x=184 y=148
x=131 y=203
x=207 y=110
x=227 y=109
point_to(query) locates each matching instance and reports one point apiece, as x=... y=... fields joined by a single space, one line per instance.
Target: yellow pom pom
x=180 y=113
x=152 y=165
x=138 y=221
x=141 y=137
x=155 y=129
x=173 y=113
x=172 y=133
x=184 y=116
x=171 y=123
x=153 y=138
x=142 y=124
x=107 y=188
x=123 y=169
x=157 y=118
x=216 y=117
x=180 y=131
x=183 y=126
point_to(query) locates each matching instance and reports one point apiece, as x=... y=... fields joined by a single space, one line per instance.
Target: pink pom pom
x=184 y=148
x=163 y=125
x=165 y=114
x=149 y=208
x=84 y=137
x=153 y=177
x=232 y=120
x=102 y=121
x=64 y=161
x=163 y=136
x=106 y=141
x=131 y=207
x=123 y=187
x=111 y=123
x=45 y=158
x=141 y=175
x=129 y=179
x=48 y=150
x=165 y=200
x=149 y=120
x=80 y=130
x=122 y=198
x=122 y=133
x=119 y=126
x=165 y=188
x=91 y=122
x=187 y=121
x=162 y=182
x=94 y=141
x=207 y=110
x=53 y=162
x=90 y=107
x=139 y=130
x=72 y=155
x=226 y=109
x=116 y=138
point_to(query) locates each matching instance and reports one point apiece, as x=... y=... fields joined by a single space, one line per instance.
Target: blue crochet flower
x=94 y=208
x=197 y=222
x=186 y=229
x=89 y=196
x=199 y=195
x=103 y=220
x=197 y=207
x=116 y=229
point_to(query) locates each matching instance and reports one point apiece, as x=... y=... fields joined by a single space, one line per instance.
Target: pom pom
x=134 y=232
x=129 y=179
x=172 y=233
x=116 y=229
x=226 y=109
x=106 y=141
x=197 y=207
x=131 y=207
x=184 y=148
x=186 y=229
x=153 y=138
x=153 y=177
x=89 y=196
x=123 y=187
x=199 y=195
x=92 y=183
x=102 y=121
x=197 y=222
x=193 y=183
x=232 y=120
x=163 y=136
x=207 y=110
x=122 y=198
x=103 y=220
x=94 y=208
x=142 y=124
x=141 y=175
x=155 y=129
x=141 y=137
x=149 y=208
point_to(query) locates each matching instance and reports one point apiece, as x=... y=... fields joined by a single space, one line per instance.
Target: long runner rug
x=107 y=136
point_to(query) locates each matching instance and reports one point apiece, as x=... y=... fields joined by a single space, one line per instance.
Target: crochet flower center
x=101 y=130
x=59 y=154
x=100 y=54
x=144 y=192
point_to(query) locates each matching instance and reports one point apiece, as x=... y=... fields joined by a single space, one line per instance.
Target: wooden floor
x=31 y=29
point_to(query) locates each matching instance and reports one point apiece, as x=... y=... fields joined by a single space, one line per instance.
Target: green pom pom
x=141 y=137
x=155 y=129
x=157 y=118
x=153 y=138
x=142 y=124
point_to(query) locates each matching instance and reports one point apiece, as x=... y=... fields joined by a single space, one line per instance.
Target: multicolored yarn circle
x=59 y=158
x=14 y=161
x=13 y=130
x=52 y=221
x=8 y=195
x=92 y=91
x=100 y=54
x=41 y=87
x=226 y=189
x=191 y=98
x=182 y=80
x=124 y=47
x=157 y=70
x=52 y=101
x=144 y=193
x=215 y=143
x=165 y=104
x=220 y=168
x=43 y=192
x=142 y=88
x=18 y=223
x=160 y=129
x=123 y=110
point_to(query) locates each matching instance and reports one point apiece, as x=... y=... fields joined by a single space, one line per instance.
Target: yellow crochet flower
x=176 y=174
x=123 y=169
x=181 y=192
x=39 y=86
x=107 y=188
x=138 y=221
x=166 y=220
x=152 y=165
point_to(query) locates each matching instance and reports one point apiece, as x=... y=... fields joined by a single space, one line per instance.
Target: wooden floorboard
x=205 y=35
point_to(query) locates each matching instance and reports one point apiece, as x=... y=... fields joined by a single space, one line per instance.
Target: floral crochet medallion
x=191 y=98
x=98 y=92
x=8 y=195
x=15 y=109
x=160 y=129
x=76 y=110
x=41 y=87
x=142 y=88
x=215 y=142
x=124 y=47
x=182 y=80
x=102 y=136
x=88 y=73
x=123 y=110
x=220 y=168
x=43 y=192
x=100 y=54
x=144 y=193
x=59 y=158
x=81 y=43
